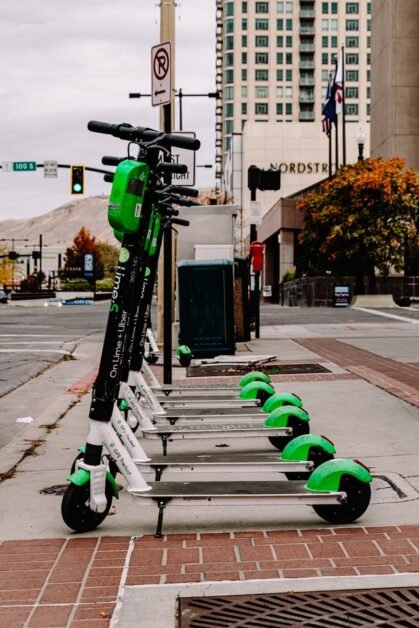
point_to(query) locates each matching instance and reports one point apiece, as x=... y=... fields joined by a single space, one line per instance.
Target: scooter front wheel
x=75 y=509
x=299 y=427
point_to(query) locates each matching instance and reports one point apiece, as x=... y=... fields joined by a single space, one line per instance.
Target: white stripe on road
x=35 y=342
x=396 y=316
x=36 y=351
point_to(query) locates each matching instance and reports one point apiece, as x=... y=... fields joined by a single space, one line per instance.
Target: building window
x=352 y=58
x=288 y=75
x=261 y=41
x=368 y=25
x=244 y=41
x=261 y=57
x=261 y=24
x=228 y=93
x=244 y=108
x=352 y=75
x=351 y=92
x=279 y=41
x=325 y=58
x=279 y=7
x=333 y=41
x=244 y=58
x=352 y=42
x=229 y=7
x=279 y=108
x=261 y=92
x=288 y=25
x=325 y=41
x=288 y=58
x=280 y=25
x=279 y=91
x=261 y=108
x=325 y=25
x=244 y=7
x=244 y=24
x=288 y=92
x=229 y=109
x=333 y=25
x=244 y=91
x=368 y=58
x=325 y=75
x=262 y=7
x=368 y=108
x=334 y=8
x=352 y=25
x=351 y=109
x=288 y=41
x=288 y=7
x=229 y=24
x=244 y=75
x=369 y=76
x=325 y=8
x=352 y=7
x=369 y=41
x=280 y=75
x=279 y=58
x=369 y=8
x=229 y=42
x=229 y=58
x=288 y=108
x=369 y=91
x=228 y=126
x=261 y=75
x=229 y=76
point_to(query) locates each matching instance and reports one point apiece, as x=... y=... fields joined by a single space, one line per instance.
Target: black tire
x=263 y=396
x=152 y=358
x=185 y=360
x=317 y=455
x=75 y=509
x=299 y=427
x=358 y=499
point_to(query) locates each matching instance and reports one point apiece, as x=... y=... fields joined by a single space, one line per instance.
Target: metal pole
x=40 y=252
x=180 y=96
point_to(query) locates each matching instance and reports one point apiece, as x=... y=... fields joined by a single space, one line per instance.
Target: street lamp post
x=180 y=95
x=360 y=140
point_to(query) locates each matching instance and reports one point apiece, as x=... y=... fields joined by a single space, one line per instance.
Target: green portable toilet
x=206 y=307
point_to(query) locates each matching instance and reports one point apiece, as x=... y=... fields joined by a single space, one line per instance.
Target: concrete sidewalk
x=366 y=403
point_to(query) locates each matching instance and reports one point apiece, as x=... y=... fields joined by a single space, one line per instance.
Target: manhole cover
x=215 y=370
x=387 y=608
x=57 y=489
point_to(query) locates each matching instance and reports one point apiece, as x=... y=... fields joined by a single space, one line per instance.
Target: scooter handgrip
x=108 y=178
x=181 y=141
x=112 y=161
x=101 y=127
x=180 y=221
x=180 y=189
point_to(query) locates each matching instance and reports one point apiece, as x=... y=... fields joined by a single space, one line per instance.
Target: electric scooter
x=339 y=490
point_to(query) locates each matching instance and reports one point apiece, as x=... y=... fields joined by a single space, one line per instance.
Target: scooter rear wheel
x=299 y=427
x=75 y=508
x=358 y=499
x=152 y=358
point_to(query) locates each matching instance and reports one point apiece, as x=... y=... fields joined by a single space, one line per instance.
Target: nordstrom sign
x=301 y=167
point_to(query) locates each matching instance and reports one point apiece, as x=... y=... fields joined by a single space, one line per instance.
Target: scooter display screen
x=135 y=187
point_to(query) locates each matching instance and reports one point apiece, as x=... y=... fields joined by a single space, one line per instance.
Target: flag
x=339 y=85
x=329 y=107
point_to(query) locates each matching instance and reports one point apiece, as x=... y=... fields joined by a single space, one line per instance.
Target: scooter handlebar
x=126 y=131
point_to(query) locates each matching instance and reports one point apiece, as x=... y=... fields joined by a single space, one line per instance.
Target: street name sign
x=24 y=166
x=161 y=74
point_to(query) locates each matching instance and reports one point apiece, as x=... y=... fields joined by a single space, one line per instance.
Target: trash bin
x=206 y=307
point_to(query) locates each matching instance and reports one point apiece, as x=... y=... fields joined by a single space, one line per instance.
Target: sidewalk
x=367 y=403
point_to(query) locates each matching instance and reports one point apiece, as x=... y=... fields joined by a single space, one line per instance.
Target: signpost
x=161 y=74
x=24 y=166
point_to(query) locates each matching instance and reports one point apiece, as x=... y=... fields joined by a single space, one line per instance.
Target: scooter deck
x=192 y=394
x=280 y=490
x=222 y=404
x=223 y=463
x=172 y=388
x=210 y=411
x=197 y=430
x=163 y=419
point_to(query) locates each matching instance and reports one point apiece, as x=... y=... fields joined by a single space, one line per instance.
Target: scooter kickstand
x=161 y=503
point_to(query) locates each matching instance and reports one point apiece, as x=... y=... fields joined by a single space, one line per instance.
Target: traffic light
x=77 y=179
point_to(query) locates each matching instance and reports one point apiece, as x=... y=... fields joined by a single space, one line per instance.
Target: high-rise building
x=274 y=60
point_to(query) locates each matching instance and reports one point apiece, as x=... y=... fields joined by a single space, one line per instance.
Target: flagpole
x=336 y=145
x=330 y=151
x=343 y=109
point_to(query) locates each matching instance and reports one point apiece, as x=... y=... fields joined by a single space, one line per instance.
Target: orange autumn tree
x=362 y=219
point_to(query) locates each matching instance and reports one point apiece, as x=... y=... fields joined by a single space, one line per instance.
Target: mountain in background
x=59 y=226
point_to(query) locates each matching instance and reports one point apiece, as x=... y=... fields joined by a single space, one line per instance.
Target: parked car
x=54 y=301
x=3 y=296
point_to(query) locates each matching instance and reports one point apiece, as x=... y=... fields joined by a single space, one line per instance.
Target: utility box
x=206 y=307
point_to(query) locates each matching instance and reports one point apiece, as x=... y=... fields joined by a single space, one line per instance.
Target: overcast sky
x=65 y=63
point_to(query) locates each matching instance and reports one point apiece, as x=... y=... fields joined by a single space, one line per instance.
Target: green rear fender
x=328 y=475
x=253 y=390
x=254 y=376
x=183 y=350
x=281 y=399
x=82 y=477
x=299 y=448
x=280 y=417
